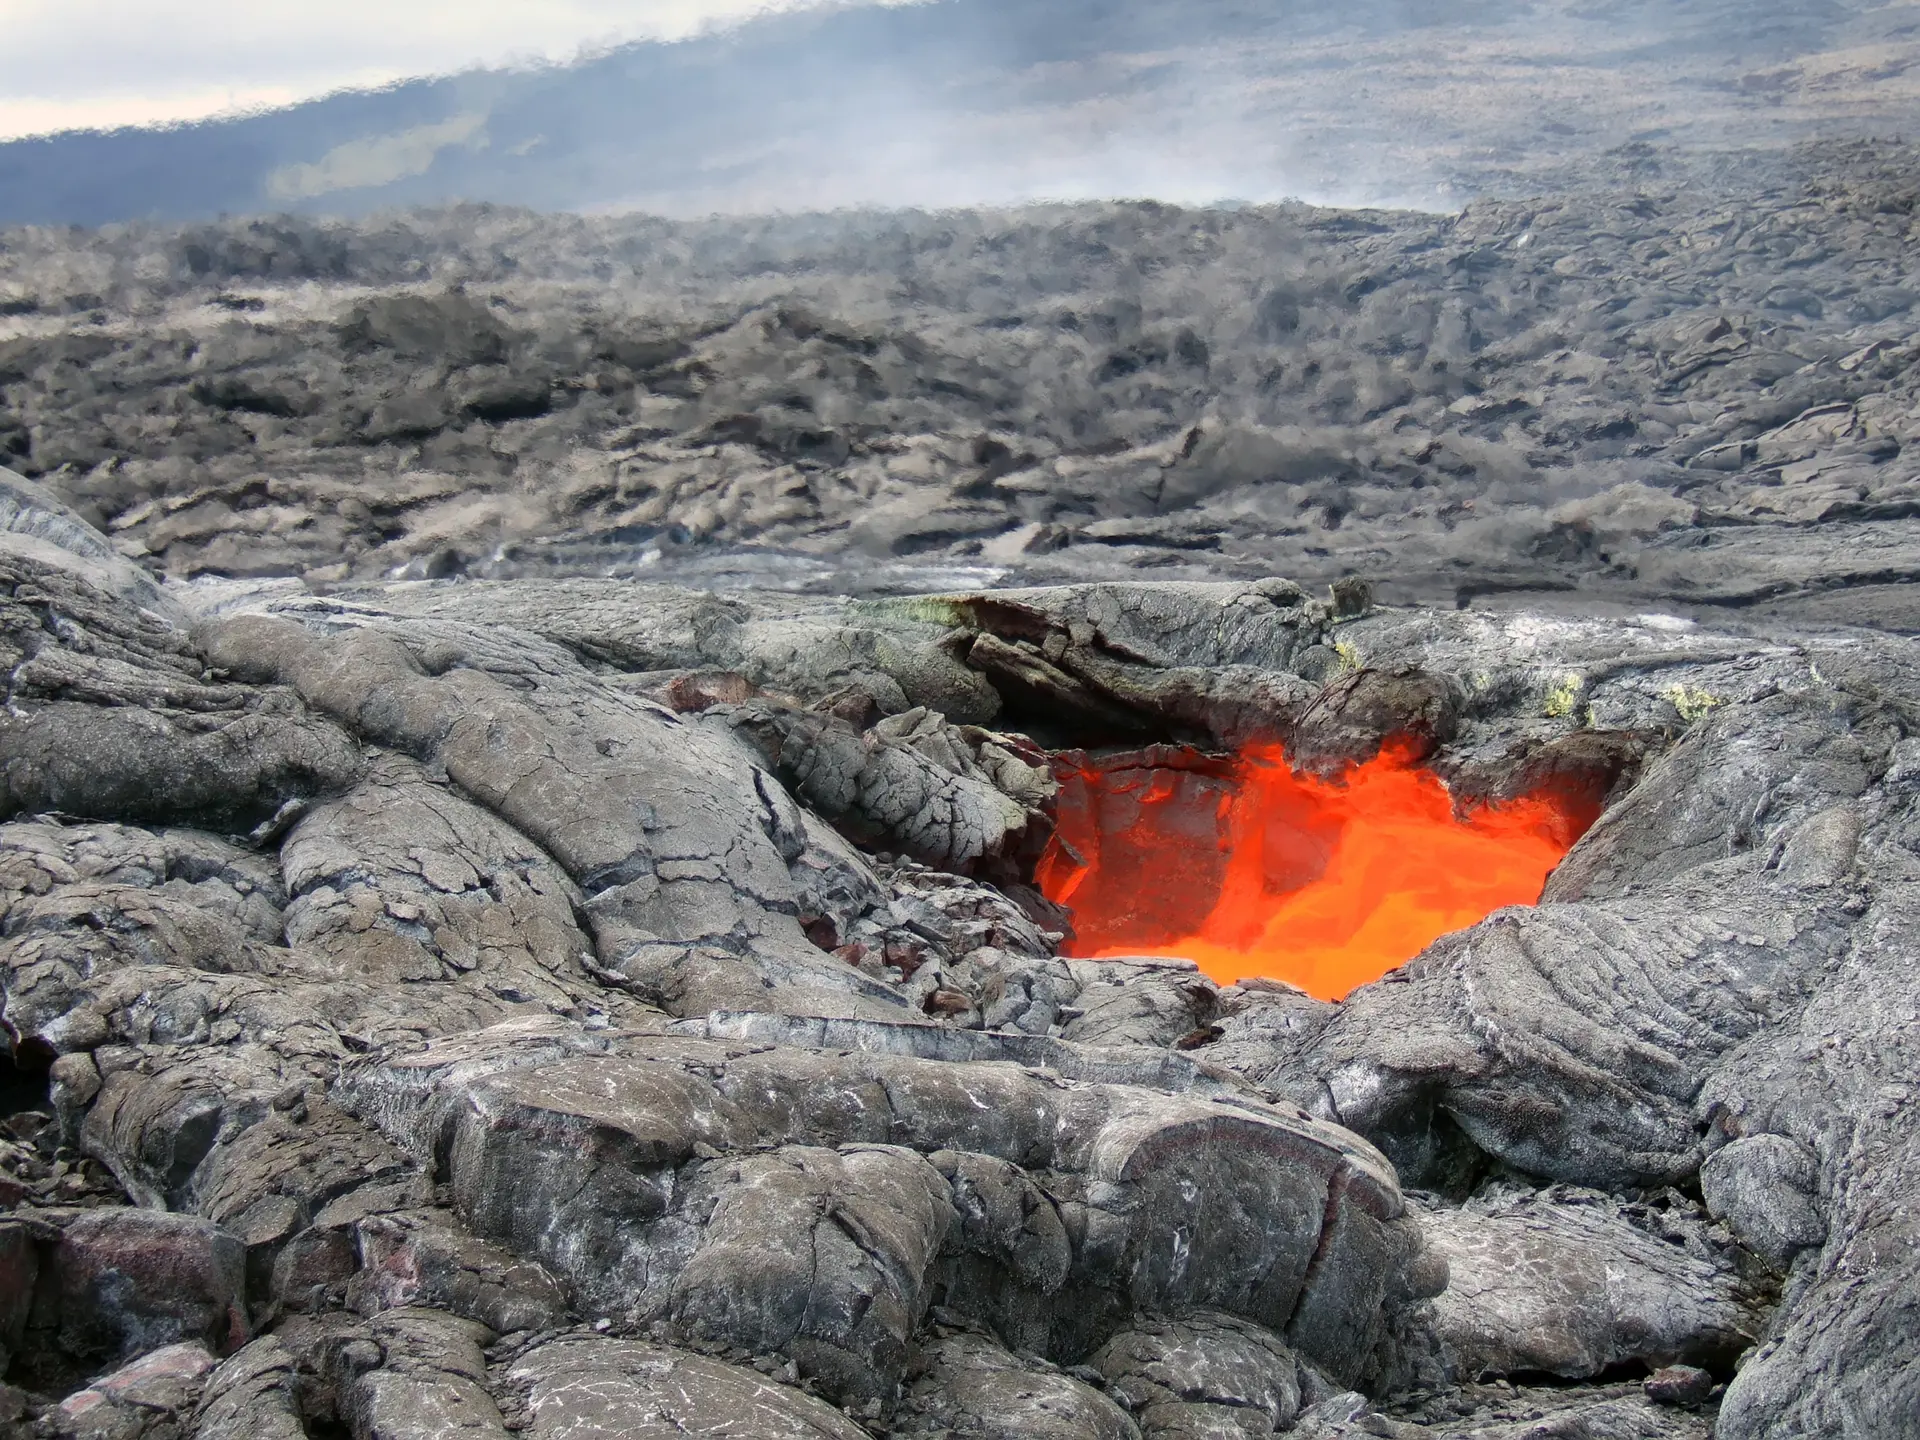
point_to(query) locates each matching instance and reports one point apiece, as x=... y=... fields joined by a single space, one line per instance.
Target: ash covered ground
x=528 y=739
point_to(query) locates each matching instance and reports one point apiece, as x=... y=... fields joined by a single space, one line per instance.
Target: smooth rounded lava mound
x=1249 y=869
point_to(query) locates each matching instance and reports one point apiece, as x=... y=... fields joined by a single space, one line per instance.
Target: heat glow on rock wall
x=1252 y=870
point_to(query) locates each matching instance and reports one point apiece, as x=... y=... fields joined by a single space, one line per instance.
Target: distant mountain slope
x=972 y=101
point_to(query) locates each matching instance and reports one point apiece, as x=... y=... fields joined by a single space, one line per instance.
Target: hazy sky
x=71 y=64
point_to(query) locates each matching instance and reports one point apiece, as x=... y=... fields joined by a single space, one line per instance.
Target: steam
x=804 y=105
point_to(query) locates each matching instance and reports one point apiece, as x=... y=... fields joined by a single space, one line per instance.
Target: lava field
x=1087 y=823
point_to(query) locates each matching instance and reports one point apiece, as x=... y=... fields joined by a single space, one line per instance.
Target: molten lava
x=1326 y=884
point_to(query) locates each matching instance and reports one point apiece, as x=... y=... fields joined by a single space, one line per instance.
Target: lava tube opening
x=1249 y=869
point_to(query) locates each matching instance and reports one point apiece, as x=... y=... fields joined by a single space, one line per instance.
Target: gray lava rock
x=637 y=1171
x=1607 y=1413
x=1142 y=1001
x=1763 y=1188
x=1565 y=1284
x=35 y=525
x=666 y=854
x=114 y=714
x=1685 y=1385
x=589 y=1386
x=19 y=1269
x=910 y=783
x=124 y=1282
x=970 y=1387
x=430 y=1379
x=153 y=1398
x=404 y=880
x=416 y=1258
x=1205 y=1375
x=250 y=1396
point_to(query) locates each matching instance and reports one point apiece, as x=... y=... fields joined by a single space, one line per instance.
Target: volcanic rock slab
x=580 y=1387
x=652 y=1174
x=1563 y=1283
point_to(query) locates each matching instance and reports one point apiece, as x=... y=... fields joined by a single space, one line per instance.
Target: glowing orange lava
x=1326 y=884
